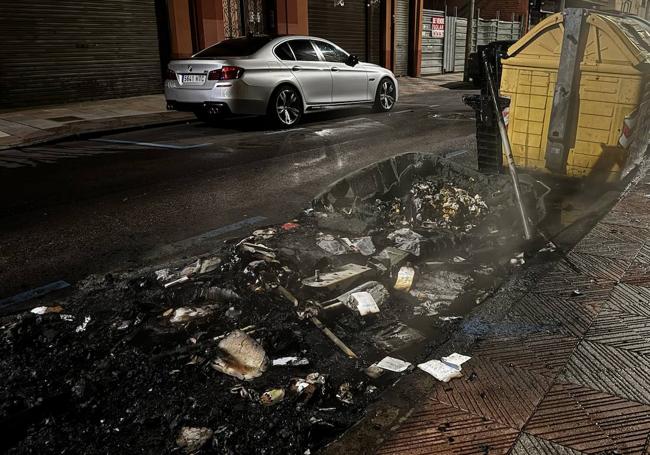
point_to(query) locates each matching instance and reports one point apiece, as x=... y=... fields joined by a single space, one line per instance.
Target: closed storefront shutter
x=56 y=51
x=355 y=26
x=401 y=28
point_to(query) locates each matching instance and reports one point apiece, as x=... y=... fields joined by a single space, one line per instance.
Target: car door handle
x=296 y=68
x=334 y=68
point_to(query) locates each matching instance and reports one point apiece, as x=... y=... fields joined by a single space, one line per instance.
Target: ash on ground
x=265 y=345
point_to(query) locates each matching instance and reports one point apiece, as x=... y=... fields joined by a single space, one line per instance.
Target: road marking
x=153 y=144
x=457 y=153
x=227 y=228
x=349 y=126
x=284 y=131
x=33 y=293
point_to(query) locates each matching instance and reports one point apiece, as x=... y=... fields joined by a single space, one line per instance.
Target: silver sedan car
x=283 y=78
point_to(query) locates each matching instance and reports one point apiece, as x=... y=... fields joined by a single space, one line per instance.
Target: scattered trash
x=191 y=269
x=340 y=223
x=377 y=290
x=407 y=240
x=344 y=393
x=243 y=357
x=258 y=250
x=338 y=277
x=576 y=292
x=373 y=371
x=336 y=340
x=209 y=265
x=163 y=274
x=393 y=364
x=217 y=293
x=331 y=244
x=405 y=278
x=365 y=303
x=290 y=361
x=290 y=226
x=440 y=370
x=455 y=360
x=447 y=368
x=549 y=248
x=518 y=260
x=361 y=245
x=458 y=259
x=83 y=326
x=66 y=317
x=265 y=234
x=438 y=289
x=450 y=318
x=192 y=439
x=396 y=336
x=185 y=314
x=180 y=280
x=47 y=309
x=271 y=397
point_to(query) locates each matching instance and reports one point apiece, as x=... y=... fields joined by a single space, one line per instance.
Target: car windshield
x=237 y=47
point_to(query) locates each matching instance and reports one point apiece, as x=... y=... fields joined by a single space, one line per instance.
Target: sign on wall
x=438 y=27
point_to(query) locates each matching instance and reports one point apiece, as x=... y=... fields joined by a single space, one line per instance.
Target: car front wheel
x=285 y=108
x=386 y=95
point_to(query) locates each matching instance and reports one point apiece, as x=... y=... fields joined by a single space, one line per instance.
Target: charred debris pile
x=272 y=343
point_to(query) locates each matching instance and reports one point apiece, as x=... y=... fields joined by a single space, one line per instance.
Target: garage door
x=57 y=51
x=401 y=31
x=353 y=24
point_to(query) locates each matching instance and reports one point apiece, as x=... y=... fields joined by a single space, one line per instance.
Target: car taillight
x=171 y=75
x=226 y=73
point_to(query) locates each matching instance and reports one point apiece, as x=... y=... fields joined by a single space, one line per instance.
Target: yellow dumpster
x=614 y=55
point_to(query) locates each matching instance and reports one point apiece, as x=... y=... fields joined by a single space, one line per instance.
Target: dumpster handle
x=506 y=145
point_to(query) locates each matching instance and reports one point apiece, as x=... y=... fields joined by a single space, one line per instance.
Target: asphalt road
x=124 y=200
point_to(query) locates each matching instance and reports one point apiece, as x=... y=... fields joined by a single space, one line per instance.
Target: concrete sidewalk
x=559 y=367
x=29 y=126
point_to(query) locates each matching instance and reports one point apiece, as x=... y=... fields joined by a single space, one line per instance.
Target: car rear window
x=304 y=50
x=237 y=47
x=283 y=52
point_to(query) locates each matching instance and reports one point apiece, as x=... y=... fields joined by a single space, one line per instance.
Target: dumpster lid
x=632 y=32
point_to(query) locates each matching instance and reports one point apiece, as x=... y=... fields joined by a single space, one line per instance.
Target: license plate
x=193 y=78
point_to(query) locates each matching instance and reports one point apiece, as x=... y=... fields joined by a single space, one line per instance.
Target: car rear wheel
x=386 y=95
x=285 y=107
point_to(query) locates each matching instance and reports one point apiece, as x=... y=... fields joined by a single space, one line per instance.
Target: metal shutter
x=374 y=33
x=401 y=28
x=57 y=51
x=432 y=48
x=343 y=25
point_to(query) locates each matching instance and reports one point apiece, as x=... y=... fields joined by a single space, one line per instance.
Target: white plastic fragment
x=450 y=318
x=67 y=317
x=446 y=369
x=184 y=314
x=46 y=309
x=192 y=439
x=361 y=245
x=440 y=370
x=83 y=326
x=406 y=240
x=405 y=278
x=393 y=364
x=290 y=361
x=331 y=244
x=455 y=360
x=180 y=280
x=243 y=357
x=365 y=303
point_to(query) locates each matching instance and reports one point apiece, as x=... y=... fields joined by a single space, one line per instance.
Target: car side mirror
x=352 y=60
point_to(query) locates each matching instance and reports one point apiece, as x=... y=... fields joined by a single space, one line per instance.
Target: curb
x=115 y=124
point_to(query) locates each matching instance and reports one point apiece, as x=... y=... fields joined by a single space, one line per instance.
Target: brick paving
x=580 y=382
